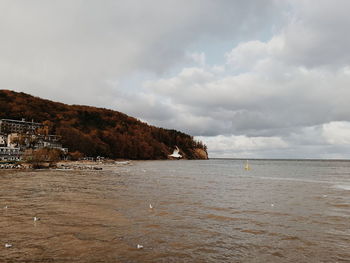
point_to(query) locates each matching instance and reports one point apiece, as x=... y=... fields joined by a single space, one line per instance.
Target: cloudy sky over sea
x=251 y=78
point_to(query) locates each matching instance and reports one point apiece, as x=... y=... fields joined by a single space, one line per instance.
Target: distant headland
x=30 y=125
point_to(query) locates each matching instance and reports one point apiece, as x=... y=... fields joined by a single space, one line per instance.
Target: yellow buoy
x=246 y=166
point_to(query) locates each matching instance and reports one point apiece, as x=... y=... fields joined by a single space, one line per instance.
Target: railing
x=10 y=151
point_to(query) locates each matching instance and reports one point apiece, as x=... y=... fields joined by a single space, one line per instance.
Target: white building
x=10 y=154
x=3 y=140
x=17 y=136
x=15 y=126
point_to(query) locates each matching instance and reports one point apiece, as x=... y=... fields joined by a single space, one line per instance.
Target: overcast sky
x=250 y=78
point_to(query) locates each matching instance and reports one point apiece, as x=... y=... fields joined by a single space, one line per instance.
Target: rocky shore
x=64 y=165
x=12 y=166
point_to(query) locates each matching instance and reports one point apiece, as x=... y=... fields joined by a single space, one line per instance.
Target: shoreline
x=63 y=165
x=77 y=165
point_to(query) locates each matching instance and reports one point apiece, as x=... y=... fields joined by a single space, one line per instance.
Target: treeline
x=97 y=131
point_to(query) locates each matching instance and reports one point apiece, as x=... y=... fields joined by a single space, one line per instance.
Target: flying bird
x=176 y=154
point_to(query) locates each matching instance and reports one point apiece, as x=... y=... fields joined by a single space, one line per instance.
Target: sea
x=179 y=211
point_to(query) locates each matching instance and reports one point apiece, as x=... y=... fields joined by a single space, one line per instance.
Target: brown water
x=204 y=211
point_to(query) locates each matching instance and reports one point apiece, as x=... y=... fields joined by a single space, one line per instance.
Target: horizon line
x=277 y=159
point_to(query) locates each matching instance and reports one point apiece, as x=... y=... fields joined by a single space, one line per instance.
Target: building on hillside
x=3 y=140
x=8 y=126
x=10 y=154
x=18 y=136
x=49 y=141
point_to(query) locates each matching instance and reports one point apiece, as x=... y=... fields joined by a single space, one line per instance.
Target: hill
x=100 y=132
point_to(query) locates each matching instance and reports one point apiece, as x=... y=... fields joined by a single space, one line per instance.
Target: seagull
x=176 y=154
x=36 y=218
x=5 y=207
x=272 y=205
x=8 y=245
x=150 y=206
x=139 y=246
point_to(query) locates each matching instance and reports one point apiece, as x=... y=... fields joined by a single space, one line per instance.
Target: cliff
x=100 y=132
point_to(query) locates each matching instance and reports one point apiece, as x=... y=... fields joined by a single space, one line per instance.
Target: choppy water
x=204 y=211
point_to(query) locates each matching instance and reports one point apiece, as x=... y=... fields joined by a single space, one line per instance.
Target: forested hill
x=99 y=132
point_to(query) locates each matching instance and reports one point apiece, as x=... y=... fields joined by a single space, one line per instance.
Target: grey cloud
x=318 y=34
x=285 y=86
x=76 y=45
x=253 y=104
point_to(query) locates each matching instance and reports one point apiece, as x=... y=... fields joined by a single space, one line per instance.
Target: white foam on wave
x=303 y=180
x=343 y=187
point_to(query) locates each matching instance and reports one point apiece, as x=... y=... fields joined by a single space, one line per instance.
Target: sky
x=250 y=78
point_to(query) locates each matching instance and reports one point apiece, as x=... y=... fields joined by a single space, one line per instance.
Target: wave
x=343 y=187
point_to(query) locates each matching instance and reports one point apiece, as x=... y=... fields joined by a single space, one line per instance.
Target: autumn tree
x=97 y=131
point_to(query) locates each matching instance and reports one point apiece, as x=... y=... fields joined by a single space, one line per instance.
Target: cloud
x=337 y=133
x=241 y=146
x=315 y=35
x=330 y=140
x=293 y=86
x=251 y=78
x=257 y=102
x=248 y=55
x=60 y=49
x=198 y=58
